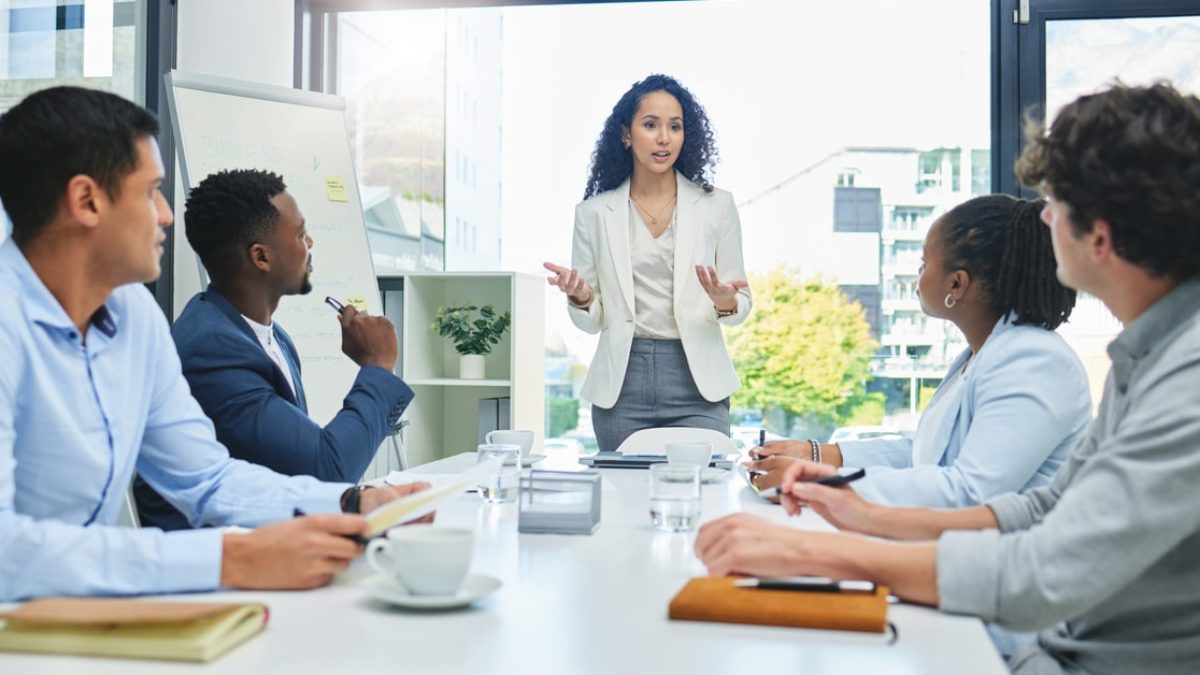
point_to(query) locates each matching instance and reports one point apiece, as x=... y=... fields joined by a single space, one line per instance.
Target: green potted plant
x=473 y=336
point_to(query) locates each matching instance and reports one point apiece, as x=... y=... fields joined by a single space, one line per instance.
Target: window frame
x=1019 y=65
x=316 y=38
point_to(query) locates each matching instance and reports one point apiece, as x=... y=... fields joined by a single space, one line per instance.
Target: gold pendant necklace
x=653 y=217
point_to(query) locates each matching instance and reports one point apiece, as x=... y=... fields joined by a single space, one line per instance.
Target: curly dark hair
x=229 y=211
x=58 y=133
x=1002 y=242
x=1130 y=156
x=612 y=162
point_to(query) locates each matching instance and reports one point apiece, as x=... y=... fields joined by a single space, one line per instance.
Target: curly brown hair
x=1130 y=156
x=612 y=163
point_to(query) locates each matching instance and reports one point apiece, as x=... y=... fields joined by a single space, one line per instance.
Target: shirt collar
x=261 y=331
x=40 y=304
x=1150 y=329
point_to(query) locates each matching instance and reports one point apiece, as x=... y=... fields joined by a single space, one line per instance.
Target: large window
x=1067 y=48
x=840 y=147
x=97 y=43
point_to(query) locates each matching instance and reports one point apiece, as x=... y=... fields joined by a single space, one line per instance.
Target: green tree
x=804 y=352
x=564 y=416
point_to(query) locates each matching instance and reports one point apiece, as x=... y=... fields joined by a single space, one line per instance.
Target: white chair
x=654 y=441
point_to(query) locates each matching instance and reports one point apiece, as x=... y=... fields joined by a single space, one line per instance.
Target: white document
x=425 y=502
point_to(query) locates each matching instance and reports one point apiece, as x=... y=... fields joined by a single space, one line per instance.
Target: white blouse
x=653 y=279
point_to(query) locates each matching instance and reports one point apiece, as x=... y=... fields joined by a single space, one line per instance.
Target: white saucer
x=712 y=474
x=474 y=587
x=530 y=460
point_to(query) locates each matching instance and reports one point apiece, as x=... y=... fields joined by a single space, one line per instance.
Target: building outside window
x=44 y=43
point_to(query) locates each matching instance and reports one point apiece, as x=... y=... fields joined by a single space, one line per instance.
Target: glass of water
x=675 y=497
x=503 y=482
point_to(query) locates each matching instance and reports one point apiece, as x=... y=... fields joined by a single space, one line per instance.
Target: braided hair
x=1002 y=242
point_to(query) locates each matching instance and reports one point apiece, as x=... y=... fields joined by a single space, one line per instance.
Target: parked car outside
x=861 y=433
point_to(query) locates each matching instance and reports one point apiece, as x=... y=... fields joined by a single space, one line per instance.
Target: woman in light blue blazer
x=1011 y=406
x=656 y=269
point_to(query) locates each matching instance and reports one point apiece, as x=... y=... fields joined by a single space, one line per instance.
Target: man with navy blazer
x=243 y=368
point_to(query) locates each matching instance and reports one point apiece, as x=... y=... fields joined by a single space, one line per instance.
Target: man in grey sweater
x=1104 y=560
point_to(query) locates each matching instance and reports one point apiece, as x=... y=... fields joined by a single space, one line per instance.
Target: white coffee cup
x=426 y=560
x=697 y=453
x=513 y=436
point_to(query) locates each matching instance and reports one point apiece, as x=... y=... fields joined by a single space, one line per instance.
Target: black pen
x=356 y=538
x=329 y=300
x=762 y=441
x=819 y=584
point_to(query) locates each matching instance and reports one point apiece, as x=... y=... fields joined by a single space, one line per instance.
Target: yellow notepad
x=131 y=628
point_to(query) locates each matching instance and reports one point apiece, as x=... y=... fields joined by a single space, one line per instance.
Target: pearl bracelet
x=816 y=451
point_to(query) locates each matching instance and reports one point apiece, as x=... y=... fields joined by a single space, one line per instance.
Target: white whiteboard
x=228 y=124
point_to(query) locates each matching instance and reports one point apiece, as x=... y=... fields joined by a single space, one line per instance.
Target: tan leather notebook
x=717 y=599
x=132 y=628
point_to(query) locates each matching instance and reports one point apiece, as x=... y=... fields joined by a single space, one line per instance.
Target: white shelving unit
x=444 y=416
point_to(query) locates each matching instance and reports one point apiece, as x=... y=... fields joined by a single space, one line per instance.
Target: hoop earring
x=949 y=302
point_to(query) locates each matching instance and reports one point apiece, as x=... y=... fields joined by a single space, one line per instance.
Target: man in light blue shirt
x=91 y=388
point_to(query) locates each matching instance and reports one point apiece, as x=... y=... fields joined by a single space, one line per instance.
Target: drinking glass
x=501 y=484
x=675 y=497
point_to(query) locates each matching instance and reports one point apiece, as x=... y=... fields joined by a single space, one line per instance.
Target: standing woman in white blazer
x=656 y=268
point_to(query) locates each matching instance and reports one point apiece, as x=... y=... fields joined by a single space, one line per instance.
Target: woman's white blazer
x=707 y=233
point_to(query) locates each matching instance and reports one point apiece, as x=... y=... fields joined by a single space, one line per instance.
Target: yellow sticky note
x=335 y=189
x=359 y=302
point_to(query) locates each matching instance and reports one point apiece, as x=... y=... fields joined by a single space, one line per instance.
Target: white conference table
x=569 y=604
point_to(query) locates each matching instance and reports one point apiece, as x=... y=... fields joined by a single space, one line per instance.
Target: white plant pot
x=470 y=366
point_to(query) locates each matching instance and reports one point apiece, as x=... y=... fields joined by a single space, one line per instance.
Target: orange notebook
x=717 y=599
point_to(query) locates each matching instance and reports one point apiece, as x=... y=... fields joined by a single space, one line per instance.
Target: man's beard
x=306 y=283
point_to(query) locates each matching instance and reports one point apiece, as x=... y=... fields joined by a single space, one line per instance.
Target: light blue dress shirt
x=1021 y=405
x=78 y=417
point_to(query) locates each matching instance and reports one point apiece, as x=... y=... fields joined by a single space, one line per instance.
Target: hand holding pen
x=367 y=340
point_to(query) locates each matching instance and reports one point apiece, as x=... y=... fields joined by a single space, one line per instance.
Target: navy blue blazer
x=255 y=414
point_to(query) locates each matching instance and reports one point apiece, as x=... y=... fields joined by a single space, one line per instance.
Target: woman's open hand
x=569 y=281
x=724 y=295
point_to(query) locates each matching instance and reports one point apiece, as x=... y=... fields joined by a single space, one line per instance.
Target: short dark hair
x=229 y=211
x=1130 y=156
x=612 y=163
x=1002 y=242
x=58 y=133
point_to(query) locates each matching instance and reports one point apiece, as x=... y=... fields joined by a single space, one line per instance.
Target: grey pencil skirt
x=658 y=391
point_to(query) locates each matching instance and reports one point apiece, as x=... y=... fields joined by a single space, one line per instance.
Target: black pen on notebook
x=356 y=538
x=332 y=302
x=819 y=584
